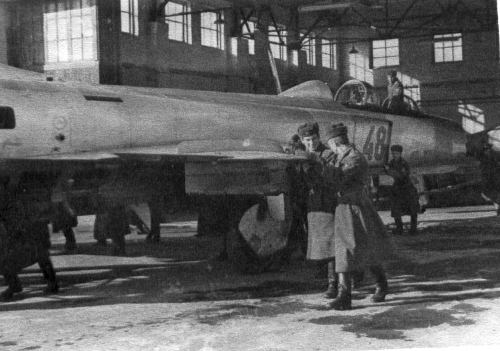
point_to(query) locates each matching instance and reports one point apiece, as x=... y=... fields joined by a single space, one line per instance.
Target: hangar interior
x=446 y=52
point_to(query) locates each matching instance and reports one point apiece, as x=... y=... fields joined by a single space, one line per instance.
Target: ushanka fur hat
x=397 y=148
x=308 y=129
x=336 y=130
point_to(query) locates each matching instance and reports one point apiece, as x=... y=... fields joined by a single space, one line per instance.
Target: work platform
x=444 y=293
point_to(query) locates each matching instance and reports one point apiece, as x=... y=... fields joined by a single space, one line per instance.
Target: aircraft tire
x=244 y=259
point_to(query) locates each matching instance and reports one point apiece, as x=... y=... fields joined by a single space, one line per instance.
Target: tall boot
x=13 y=286
x=343 y=299
x=49 y=274
x=381 y=286
x=413 y=225
x=332 y=290
x=69 y=235
x=399 y=226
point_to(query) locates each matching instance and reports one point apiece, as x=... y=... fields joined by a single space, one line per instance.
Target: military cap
x=336 y=130
x=308 y=129
x=397 y=148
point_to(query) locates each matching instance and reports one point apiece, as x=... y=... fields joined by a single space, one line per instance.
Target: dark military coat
x=395 y=96
x=404 y=198
x=361 y=238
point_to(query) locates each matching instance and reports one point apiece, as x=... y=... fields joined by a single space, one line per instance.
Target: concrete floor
x=445 y=293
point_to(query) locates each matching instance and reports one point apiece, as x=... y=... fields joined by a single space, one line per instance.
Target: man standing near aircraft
x=395 y=93
x=404 y=198
x=361 y=239
x=321 y=202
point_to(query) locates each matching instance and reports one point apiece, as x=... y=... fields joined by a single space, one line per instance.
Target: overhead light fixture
x=353 y=50
x=314 y=8
x=377 y=5
x=219 y=19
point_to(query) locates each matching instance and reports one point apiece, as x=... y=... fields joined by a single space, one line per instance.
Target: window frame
x=331 y=55
x=443 y=47
x=67 y=27
x=185 y=22
x=277 y=47
x=385 y=57
x=132 y=15
x=250 y=36
x=311 y=55
x=219 y=30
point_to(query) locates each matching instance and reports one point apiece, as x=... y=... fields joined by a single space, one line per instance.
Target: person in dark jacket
x=361 y=239
x=23 y=242
x=404 y=197
x=395 y=93
x=321 y=202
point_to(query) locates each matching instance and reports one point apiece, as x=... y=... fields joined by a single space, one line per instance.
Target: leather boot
x=413 y=225
x=381 y=286
x=399 y=226
x=332 y=290
x=343 y=300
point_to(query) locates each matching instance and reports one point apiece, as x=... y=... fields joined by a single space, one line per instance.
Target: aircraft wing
x=158 y=153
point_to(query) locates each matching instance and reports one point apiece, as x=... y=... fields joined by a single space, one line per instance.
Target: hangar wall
x=467 y=90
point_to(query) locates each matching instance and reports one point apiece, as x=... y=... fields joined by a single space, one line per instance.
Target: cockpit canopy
x=358 y=94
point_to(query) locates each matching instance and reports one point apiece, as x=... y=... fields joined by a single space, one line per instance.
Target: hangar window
x=295 y=57
x=212 y=30
x=277 y=42
x=359 y=68
x=385 y=53
x=248 y=34
x=130 y=16
x=448 y=47
x=328 y=54
x=179 y=26
x=70 y=30
x=311 y=49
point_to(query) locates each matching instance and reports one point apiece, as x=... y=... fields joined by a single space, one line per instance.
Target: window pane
x=76 y=49
x=392 y=61
x=125 y=22
x=88 y=49
x=234 y=46
x=88 y=26
x=62 y=29
x=448 y=54
x=52 y=52
x=51 y=31
x=124 y=5
x=62 y=47
x=378 y=44
x=379 y=52
x=438 y=54
x=76 y=27
x=392 y=51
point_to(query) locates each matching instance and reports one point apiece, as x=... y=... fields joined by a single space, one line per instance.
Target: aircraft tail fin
x=315 y=89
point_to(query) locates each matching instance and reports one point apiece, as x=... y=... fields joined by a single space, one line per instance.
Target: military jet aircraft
x=126 y=145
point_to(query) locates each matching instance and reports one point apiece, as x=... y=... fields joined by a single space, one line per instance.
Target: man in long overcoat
x=404 y=197
x=321 y=202
x=361 y=239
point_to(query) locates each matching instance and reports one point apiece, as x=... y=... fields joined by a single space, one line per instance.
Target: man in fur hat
x=360 y=236
x=404 y=198
x=321 y=202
